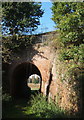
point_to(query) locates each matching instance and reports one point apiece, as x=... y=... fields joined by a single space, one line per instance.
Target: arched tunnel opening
x=19 y=80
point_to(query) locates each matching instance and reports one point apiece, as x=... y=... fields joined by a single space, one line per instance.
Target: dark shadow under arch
x=19 y=78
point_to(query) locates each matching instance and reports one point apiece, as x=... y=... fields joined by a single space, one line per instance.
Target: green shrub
x=41 y=108
x=73 y=52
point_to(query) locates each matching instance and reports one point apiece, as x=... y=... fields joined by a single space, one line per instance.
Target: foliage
x=6 y=53
x=13 y=108
x=15 y=43
x=6 y=97
x=74 y=52
x=43 y=109
x=36 y=81
x=19 y=17
x=22 y=108
x=70 y=23
x=70 y=78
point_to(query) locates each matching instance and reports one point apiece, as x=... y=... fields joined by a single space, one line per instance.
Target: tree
x=69 y=17
x=36 y=81
x=19 y=17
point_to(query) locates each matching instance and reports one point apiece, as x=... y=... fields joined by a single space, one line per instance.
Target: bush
x=41 y=108
x=73 y=52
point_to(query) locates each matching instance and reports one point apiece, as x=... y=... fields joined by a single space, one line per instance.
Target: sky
x=47 y=24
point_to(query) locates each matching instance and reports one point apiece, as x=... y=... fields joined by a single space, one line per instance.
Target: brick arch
x=19 y=78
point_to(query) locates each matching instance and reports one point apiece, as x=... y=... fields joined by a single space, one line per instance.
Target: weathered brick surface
x=43 y=62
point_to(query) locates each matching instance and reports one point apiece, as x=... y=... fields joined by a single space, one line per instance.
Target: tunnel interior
x=21 y=73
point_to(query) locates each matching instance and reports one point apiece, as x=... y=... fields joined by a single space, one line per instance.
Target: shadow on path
x=17 y=108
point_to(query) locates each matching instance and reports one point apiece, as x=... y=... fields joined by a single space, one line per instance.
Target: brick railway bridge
x=40 y=59
x=37 y=59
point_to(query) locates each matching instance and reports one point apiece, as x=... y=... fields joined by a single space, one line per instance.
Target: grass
x=13 y=108
x=34 y=88
x=36 y=107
